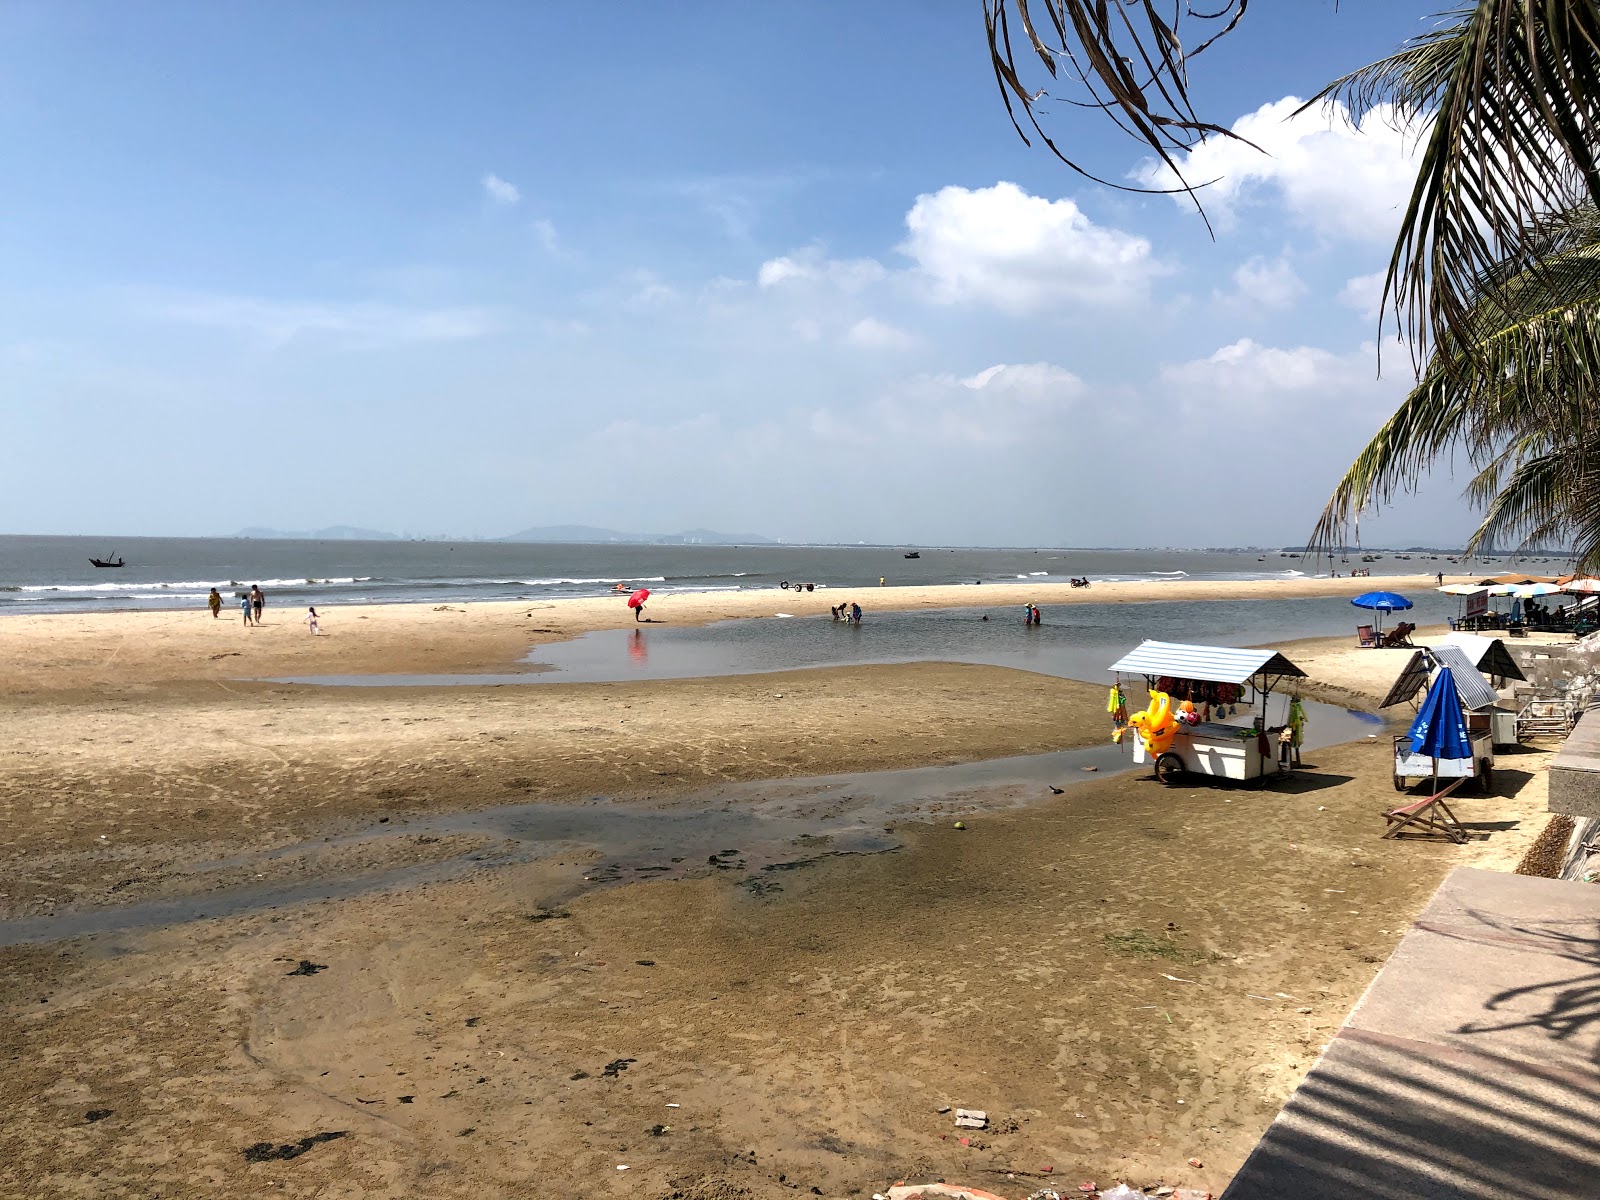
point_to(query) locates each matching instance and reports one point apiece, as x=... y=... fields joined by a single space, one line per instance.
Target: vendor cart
x=1409 y=767
x=1236 y=685
x=1479 y=703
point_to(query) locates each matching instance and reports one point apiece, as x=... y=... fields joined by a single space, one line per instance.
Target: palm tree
x=1493 y=275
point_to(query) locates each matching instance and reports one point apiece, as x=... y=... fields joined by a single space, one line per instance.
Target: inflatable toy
x=1156 y=724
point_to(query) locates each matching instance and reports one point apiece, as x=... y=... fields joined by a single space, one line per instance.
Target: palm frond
x=1122 y=58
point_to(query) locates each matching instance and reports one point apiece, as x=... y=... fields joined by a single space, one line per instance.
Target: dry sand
x=809 y=1022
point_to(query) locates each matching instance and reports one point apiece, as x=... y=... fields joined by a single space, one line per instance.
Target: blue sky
x=787 y=269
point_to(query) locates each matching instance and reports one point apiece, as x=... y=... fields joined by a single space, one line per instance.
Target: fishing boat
x=106 y=562
x=914 y=554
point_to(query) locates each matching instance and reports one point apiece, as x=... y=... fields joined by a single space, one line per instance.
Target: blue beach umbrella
x=1382 y=602
x=1440 y=730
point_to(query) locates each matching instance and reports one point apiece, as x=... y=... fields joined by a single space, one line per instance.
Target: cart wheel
x=1169 y=769
x=1485 y=778
x=1399 y=784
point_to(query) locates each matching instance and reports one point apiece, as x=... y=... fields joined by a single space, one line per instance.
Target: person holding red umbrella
x=636 y=602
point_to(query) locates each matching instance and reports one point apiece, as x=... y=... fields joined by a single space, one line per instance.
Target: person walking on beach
x=214 y=603
x=257 y=600
x=244 y=607
x=311 y=621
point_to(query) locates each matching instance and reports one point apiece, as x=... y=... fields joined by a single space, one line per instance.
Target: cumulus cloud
x=812 y=266
x=1000 y=406
x=1001 y=247
x=1267 y=283
x=1364 y=293
x=873 y=334
x=499 y=191
x=1333 y=176
x=1248 y=377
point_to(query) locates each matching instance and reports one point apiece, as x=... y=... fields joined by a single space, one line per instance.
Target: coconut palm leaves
x=1512 y=90
x=1123 y=58
x=1517 y=392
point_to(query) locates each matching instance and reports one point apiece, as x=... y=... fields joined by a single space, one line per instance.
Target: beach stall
x=1479 y=705
x=1208 y=711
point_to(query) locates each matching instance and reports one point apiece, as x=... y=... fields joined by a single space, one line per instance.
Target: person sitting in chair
x=1400 y=635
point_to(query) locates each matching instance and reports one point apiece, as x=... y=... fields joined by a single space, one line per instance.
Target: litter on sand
x=971 y=1118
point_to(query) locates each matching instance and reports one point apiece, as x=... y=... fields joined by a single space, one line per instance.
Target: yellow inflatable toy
x=1156 y=724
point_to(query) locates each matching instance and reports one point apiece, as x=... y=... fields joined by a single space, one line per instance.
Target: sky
x=782 y=269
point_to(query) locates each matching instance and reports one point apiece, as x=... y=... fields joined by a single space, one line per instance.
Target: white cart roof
x=1216 y=664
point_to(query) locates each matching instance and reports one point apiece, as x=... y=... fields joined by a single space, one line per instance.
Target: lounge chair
x=1400 y=636
x=1365 y=636
x=1429 y=816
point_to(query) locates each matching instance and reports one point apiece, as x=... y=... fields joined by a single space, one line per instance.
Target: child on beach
x=311 y=621
x=244 y=607
x=214 y=603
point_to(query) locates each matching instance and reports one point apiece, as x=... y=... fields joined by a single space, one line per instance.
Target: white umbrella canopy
x=1472 y=589
x=1529 y=590
x=1502 y=589
x=1582 y=587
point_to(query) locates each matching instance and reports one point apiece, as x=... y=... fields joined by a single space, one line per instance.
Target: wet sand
x=809 y=1010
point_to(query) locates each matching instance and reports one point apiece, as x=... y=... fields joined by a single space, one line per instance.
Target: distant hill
x=594 y=534
x=333 y=533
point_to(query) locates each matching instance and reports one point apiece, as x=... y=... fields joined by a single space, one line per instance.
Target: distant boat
x=107 y=562
x=914 y=554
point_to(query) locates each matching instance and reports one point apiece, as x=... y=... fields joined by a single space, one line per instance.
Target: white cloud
x=1002 y=405
x=1247 y=377
x=1364 y=293
x=1335 y=177
x=360 y=324
x=1000 y=246
x=545 y=231
x=1267 y=283
x=812 y=266
x=873 y=334
x=499 y=191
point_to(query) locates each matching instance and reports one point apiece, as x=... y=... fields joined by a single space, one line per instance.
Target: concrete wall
x=1575 y=770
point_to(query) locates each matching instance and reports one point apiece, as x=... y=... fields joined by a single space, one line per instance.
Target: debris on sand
x=307 y=967
x=96 y=1114
x=269 y=1152
x=616 y=1066
x=971 y=1118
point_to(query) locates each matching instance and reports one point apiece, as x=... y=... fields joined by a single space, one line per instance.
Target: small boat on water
x=914 y=554
x=106 y=562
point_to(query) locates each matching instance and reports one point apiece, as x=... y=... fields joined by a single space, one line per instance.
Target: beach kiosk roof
x=1475 y=691
x=1488 y=654
x=1513 y=577
x=1214 y=664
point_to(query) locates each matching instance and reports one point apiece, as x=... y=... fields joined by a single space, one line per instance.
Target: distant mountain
x=333 y=533
x=594 y=534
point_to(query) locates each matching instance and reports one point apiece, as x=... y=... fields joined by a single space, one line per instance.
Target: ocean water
x=53 y=574
x=1076 y=641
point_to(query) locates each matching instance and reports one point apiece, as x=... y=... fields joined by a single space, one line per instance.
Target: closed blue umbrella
x=1440 y=730
x=1382 y=602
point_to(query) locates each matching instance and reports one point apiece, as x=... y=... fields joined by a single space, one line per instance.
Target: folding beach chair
x=1428 y=816
x=1400 y=636
x=1365 y=636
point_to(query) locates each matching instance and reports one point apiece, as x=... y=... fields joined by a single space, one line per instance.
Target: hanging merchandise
x=1117 y=706
x=1297 y=721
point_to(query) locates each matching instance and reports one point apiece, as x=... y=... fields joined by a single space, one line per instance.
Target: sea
x=54 y=574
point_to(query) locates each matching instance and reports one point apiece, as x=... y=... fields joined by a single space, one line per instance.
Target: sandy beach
x=1125 y=976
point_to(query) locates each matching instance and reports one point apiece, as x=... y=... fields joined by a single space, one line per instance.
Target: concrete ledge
x=1471 y=1068
x=1575 y=770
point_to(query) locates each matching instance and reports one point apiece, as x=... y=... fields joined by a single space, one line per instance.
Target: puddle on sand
x=756 y=828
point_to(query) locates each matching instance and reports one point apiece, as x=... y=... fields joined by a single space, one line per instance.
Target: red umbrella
x=638 y=598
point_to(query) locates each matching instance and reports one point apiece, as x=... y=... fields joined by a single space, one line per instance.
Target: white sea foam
x=558 y=582
x=1170 y=574
x=167 y=585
